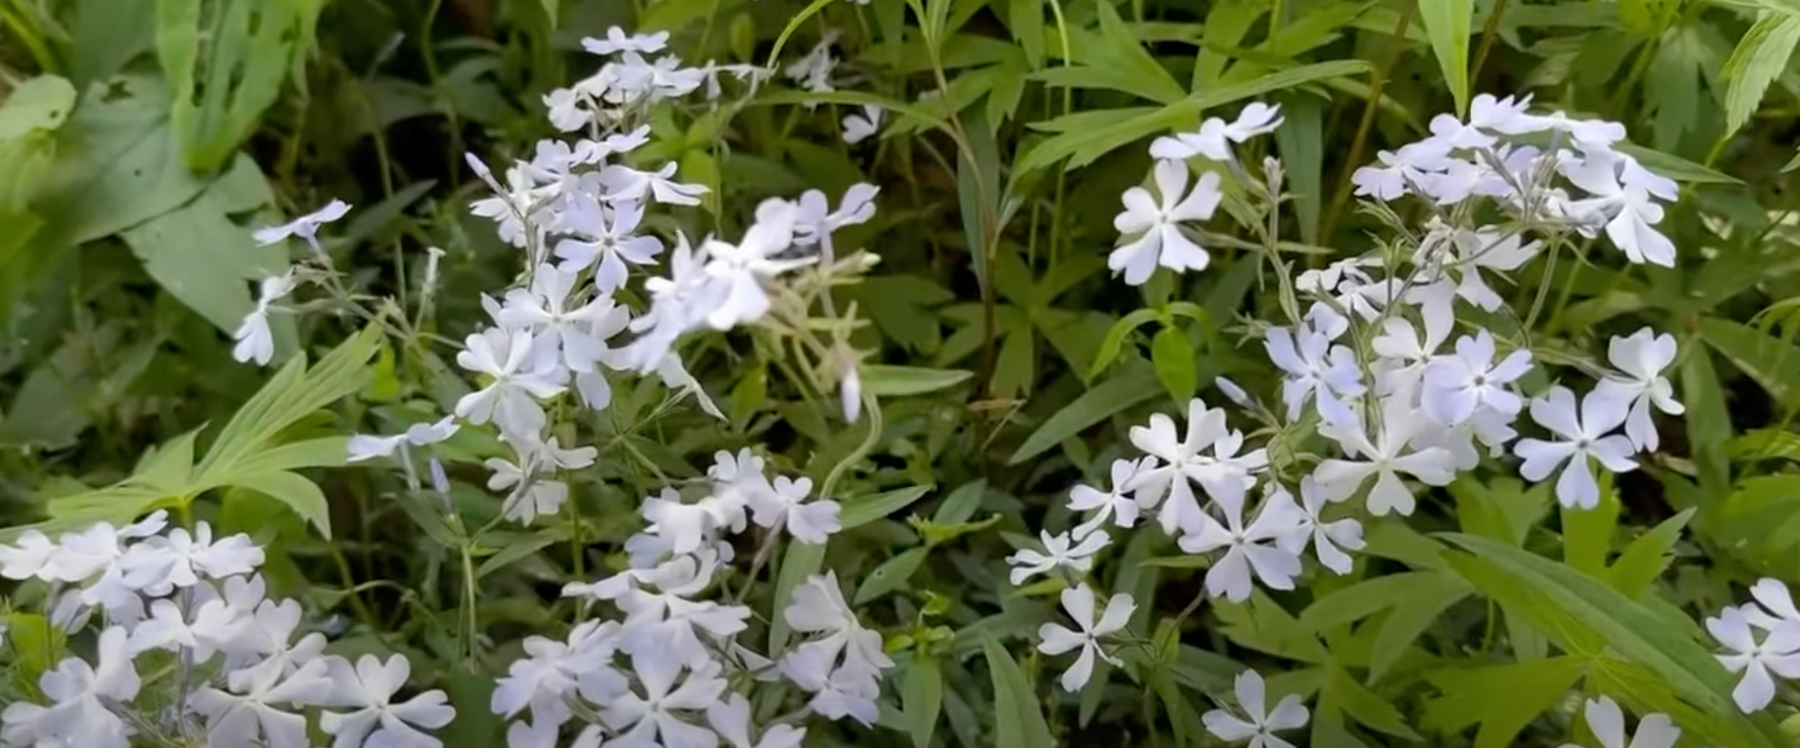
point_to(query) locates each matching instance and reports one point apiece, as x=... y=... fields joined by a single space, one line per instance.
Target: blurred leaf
x=890 y=575
x=200 y=256
x=299 y=494
x=1447 y=24
x=1173 y=356
x=1645 y=558
x=1773 y=363
x=41 y=103
x=118 y=162
x=1504 y=699
x=220 y=88
x=883 y=380
x=1026 y=20
x=862 y=511
x=922 y=697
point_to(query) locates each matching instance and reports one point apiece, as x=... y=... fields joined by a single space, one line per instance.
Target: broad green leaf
x=200 y=256
x=1370 y=596
x=890 y=575
x=1758 y=59
x=884 y=380
x=1173 y=356
x=1365 y=706
x=1772 y=362
x=169 y=466
x=922 y=697
x=1123 y=391
x=1447 y=25
x=1018 y=719
x=299 y=494
x=1636 y=634
x=41 y=103
x=861 y=511
x=1645 y=558
x=1504 y=699
x=118 y=163
x=226 y=61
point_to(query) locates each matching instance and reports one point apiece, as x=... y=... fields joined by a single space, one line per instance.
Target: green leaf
x=41 y=103
x=862 y=511
x=890 y=575
x=1129 y=388
x=1504 y=699
x=1177 y=562
x=1773 y=363
x=1708 y=420
x=1587 y=533
x=1301 y=141
x=883 y=380
x=1447 y=25
x=979 y=195
x=1018 y=720
x=118 y=163
x=1365 y=706
x=514 y=550
x=1173 y=355
x=961 y=504
x=1647 y=556
x=1026 y=20
x=35 y=644
x=1635 y=633
x=1675 y=167
x=203 y=258
x=299 y=494
x=922 y=697
x=1765 y=444
x=1115 y=338
x=1759 y=59
x=294 y=393
x=226 y=62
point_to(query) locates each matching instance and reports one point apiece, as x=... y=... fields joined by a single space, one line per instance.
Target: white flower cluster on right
x=1374 y=361
x=233 y=672
x=1761 y=640
x=662 y=671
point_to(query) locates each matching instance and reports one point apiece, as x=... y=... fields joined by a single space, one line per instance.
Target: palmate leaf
x=1758 y=60
x=1503 y=699
x=1638 y=634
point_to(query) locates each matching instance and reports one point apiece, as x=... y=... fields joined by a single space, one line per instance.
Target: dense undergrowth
x=904 y=372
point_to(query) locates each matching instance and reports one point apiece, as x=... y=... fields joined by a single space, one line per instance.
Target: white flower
x=1384 y=455
x=618 y=41
x=77 y=716
x=1607 y=722
x=1223 y=474
x=540 y=681
x=1215 y=136
x=1315 y=370
x=813 y=72
x=206 y=629
x=738 y=270
x=1641 y=359
x=1159 y=240
x=850 y=391
x=366 y=447
x=306 y=227
x=370 y=689
x=160 y=564
x=610 y=240
x=1116 y=505
x=1326 y=537
x=785 y=507
x=508 y=400
x=731 y=719
x=626 y=183
x=648 y=717
x=1249 y=550
x=858 y=127
x=1058 y=551
x=842 y=668
x=1256 y=726
x=1456 y=385
x=1622 y=197
x=561 y=336
x=1583 y=436
x=1778 y=651
x=814 y=220
x=253 y=715
x=255 y=341
x=1057 y=639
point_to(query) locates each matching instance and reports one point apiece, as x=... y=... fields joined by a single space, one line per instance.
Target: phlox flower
x=786 y=507
x=1386 y=453
x=254 y=340
x=1091 y=626
x=1776 y=650
x=1256 y=726
x=617 y=41
x=730 y=718
x=1329 y=539
x=739 y=270
x=1159 y=240
x=1641 y=358
x=366 y=447
x=1116 y=505
x=1314 y=368
x=369 y=688
x=510 y=399
x=254 y=714
x=1607 y=722
x=1583 y=434
x=1059 y=551
x=858 y=127
x=604 y=236
x=160 y=564
x=626 y=183
x=77 y=715
x=842 y=666
x=306 y=227
x=562 y=329
x=1216 y=135
x=1455 y=385
x=1249 y=551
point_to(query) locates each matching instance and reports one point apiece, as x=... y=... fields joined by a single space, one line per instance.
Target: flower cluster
x=659 y=672
x=1375 y=364
x=239 y=676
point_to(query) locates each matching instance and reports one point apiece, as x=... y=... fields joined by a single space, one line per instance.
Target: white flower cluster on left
x=238 y=676
x=659 y=670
